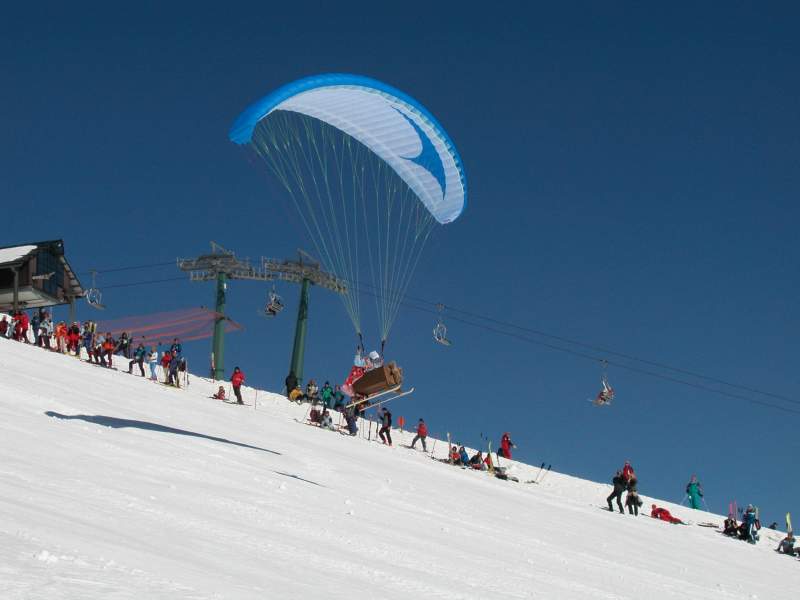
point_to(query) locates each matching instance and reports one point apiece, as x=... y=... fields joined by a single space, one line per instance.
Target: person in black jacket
x=620 y=485
x=386 y=426
x=291 y=382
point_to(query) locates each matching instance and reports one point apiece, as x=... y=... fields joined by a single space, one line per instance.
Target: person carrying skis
x=385 y=432
x=237 y=379
x=422 y=434
x=505 y=446
x=619 y=486
x=694 y=491
x=786 y=545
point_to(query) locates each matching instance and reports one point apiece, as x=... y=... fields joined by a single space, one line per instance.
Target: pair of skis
x=393 y=390
x=540 y=475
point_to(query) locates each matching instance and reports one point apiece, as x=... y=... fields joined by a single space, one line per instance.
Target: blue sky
x=633 y=176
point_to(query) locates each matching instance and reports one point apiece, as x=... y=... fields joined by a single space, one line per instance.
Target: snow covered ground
x=114 y=487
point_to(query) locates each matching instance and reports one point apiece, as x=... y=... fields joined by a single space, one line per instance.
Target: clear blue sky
x=633 y=176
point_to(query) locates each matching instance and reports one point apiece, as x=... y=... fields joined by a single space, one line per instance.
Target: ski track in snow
x=111 y=488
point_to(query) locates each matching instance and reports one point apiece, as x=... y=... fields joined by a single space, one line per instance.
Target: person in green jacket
x=326 y=395
x=694 y=491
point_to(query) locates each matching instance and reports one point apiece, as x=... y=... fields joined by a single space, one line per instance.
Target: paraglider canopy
x=390 y=123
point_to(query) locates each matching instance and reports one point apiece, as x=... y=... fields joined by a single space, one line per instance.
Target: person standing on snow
x=620 y=485
x=694 y=491
x=176 y=347
x=506 y=445
x=627 y=472
x=152 y=362
x=237 y=379
x=4 y=327
x=138 y=359
x=750 y=525
x=633 y=502
x=386 y=427
x=165 y=360
x=326 y=395
x=422 y=434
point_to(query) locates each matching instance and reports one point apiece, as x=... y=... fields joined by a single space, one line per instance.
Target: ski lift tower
x=307 y=272
x=221 y=265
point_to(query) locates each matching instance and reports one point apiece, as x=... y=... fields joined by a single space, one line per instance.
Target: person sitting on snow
x=664 y=515
x=786 y=545
x=730 y=527
x=477 y=462
x=463 y=456
x=326 y=422
x=455 y=457
x=296 y=395
x=220 y=395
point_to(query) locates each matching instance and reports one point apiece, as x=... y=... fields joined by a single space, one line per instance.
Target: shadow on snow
x=117 y=423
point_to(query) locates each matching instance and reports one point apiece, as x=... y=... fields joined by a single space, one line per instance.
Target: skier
x=174 y=364
x=74 y=339
x=165 y=360
x=296 y=395
x=786 y=545
x=619 y=486
x=61 y=337
x=35 y=320
x=477 y=462
x=730 y=527
x=220 y=395
x=750 y=525
x=633 y=502
x=124 y=345
x=291 y=383
x=350 y=418
x=505 y=446
x=152 y=361
x=138 y=359
x=176 y=347
x=627 y=471
x=45 y=331
x=385 y=432
x=326 y=422
x=422 y=434
x=326 y=395
x=108 y=348
x=237 y=379
x=87 y=335
x=338 y=399
x=4 y=327
x=312 y=391
x=694 y=490
x=664 y=515
x=463 y=457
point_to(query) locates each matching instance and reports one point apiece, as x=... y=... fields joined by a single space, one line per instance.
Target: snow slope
x=114 y=487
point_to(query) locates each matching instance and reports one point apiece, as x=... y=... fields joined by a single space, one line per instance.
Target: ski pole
x=545 y=474
x=539 y=473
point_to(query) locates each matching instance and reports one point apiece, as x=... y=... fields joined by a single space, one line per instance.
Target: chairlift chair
x=440 y=330
x=274 y=304
x=93 y=296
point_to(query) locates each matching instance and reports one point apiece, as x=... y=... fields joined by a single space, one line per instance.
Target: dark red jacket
x=237 y=379
x=422 y=429
x=627 y=472
x=506 y=445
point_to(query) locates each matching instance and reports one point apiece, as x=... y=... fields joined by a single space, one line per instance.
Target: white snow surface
x=112 y=486
x=15 y=253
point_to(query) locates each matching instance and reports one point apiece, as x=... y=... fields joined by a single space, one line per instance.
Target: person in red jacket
x=627 y=472
x=237 y=379
x=422 y=433
x=165 y=360
x=664 y=515
x=506 y=445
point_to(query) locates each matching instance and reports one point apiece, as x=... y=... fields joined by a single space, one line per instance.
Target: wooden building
x=36 y=275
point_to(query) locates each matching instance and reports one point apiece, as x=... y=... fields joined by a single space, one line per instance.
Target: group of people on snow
x=84 y=340
x=625 y=480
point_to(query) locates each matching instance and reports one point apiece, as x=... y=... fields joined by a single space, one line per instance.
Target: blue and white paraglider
x=370 y=171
